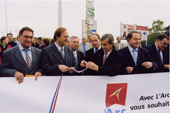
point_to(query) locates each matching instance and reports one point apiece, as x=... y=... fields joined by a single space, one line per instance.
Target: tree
x=154 y=31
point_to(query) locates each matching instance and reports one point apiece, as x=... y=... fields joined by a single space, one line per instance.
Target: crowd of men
x=101 y=56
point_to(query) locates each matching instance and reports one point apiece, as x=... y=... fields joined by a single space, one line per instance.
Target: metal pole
x=6 y=17
x=86 y=23
x=59 y=13
x=147 y=36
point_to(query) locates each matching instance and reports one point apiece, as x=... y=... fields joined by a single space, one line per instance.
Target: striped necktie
x=62 y=52
x=27 y=59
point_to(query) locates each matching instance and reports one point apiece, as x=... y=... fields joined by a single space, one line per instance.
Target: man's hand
x=63 y=68
x=83 y=63
x=70 y=70
x=147 y=64
x=37 y=74
x=19 y=77
x=92 y=66
x=129 y=69
x=166 y=66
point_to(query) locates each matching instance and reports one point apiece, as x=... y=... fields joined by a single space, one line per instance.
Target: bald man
x=84 y=46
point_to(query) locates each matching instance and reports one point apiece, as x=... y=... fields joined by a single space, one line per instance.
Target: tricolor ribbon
x=80 y=71
x=55 y=96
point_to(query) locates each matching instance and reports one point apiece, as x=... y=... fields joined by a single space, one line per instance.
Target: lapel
x=99 y=58
x=78 y=56
x=57 y=53
x=129 y=56
x=156 y=55
x=139 y=56
x=66 y=61
x=34 y=57
x=19 y=56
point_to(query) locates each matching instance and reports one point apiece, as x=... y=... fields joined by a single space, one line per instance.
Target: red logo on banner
x=116 y=94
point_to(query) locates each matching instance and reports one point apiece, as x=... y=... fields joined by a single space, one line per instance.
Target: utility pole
x=59 y=13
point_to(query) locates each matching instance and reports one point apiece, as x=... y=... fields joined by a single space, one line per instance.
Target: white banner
x=138 y=93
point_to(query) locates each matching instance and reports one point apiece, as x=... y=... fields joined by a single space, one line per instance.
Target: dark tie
x=61 y=52
x=96 y=49
x=84 y=48
x=27 y=59
x=160 y=56
x=134 y=56
x=105 y=56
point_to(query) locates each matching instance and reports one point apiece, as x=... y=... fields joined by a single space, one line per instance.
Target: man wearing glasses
x=22 y=59
x=158 y=53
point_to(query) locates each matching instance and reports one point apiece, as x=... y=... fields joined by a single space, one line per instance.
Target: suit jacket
x=89 y=54
x=12 y=60
x=80 y=57
x=51 y=58
x=143 y=56
x=116 y=46
x=155 y=56
x=112 y=65
x=88 y=46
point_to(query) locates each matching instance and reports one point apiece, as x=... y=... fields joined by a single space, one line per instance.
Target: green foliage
x=157 y=27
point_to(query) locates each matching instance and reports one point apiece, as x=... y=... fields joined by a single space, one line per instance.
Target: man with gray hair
x=106 y=61
x=79 y=56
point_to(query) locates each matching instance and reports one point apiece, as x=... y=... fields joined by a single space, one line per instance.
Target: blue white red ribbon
x=52 y=108
x=80 y=71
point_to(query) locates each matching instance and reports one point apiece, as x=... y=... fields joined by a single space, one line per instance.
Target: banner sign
x=137 y=93
x=126 y=28
x=143 y=31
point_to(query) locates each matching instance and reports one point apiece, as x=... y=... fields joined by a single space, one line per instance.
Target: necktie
x=84 y=48
x=61 y=52
x=27 y=59
x=134 y=56
x=160 y=56
x=74 y=52
x=105 y=56
x=96 y=49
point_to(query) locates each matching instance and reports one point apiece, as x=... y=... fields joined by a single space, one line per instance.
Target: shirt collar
x=21 y=48
x=98 y=48
x=130 y=49
x=58 y=47
x=156 y=47
x=109 y=52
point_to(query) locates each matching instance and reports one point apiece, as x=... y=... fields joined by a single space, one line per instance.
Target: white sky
x=42 y=16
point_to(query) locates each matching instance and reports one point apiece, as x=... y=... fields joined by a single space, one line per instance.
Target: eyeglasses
x=26 y=36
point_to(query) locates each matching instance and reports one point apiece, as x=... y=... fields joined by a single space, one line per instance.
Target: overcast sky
x=42 y=16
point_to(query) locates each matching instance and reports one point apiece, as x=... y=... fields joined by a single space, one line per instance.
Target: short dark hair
x=162 y=36
x=9 y=34
x=129 y=36
x=96 y=35
x=39 y=38
x=58 y=32
x=25 y=29
x=46 y=41
x=3 y=38
x=109 y=37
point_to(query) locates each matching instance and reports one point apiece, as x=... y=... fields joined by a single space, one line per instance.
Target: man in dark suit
x=22 y=59
x=57 y=59
x=158 y=52
x=79 y=56
x=136 y=59
x=106 y=61
x=95 y=41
